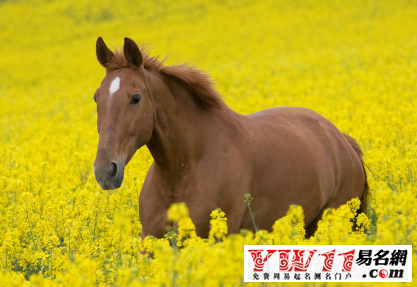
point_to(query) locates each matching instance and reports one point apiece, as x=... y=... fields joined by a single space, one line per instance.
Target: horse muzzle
x=109 y=176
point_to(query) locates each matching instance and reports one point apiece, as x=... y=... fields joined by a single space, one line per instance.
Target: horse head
x=125 y=111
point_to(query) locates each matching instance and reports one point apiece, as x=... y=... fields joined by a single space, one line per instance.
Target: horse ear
x=132 y=52
x=104 y=55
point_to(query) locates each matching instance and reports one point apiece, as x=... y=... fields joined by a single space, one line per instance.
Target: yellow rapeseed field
x=354 y=62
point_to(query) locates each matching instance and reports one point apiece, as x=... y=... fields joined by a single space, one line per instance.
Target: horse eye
x=135 y=99
x=95 y=98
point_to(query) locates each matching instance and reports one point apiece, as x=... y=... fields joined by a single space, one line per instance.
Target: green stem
x=30 y=228
x=248 y=203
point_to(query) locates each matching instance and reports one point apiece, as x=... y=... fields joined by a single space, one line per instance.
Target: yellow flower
x=177 y=211
x=362 y=222
x=290 y=228
x=354 y=205
x=219 y=229
x=186 y=230
x=60 y=229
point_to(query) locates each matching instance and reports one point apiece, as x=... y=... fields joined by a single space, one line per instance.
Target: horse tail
x=364 y=196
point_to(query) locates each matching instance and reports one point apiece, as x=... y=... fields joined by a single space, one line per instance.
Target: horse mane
x=198 y=83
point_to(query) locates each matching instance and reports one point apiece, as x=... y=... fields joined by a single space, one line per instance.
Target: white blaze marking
x=114 y=86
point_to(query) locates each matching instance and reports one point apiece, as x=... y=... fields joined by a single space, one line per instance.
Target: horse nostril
x=114 y=169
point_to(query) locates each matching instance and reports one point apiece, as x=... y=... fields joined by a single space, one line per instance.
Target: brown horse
x=209 y=156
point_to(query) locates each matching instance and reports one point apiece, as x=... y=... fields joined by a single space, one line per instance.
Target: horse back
x=299 y=157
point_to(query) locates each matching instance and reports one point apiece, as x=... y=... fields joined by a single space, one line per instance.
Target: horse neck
x=181 y=128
